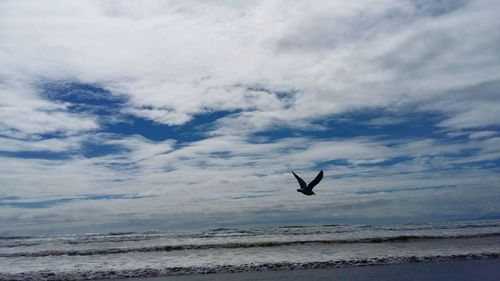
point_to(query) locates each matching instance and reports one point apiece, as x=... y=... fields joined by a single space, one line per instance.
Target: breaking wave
x=172 y=271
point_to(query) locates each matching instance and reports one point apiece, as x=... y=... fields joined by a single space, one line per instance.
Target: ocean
x=163 y=253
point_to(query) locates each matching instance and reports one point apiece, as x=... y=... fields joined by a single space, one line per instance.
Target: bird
x=306 y=189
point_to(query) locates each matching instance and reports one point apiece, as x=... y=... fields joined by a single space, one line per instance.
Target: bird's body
x=306 y=192
x=306 y=189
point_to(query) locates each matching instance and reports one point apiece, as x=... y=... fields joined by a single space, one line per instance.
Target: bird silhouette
x=306 y=189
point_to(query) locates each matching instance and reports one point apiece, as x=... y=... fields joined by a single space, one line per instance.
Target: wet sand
x=460 y=270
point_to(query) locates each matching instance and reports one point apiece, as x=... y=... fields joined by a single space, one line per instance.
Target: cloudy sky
x=133 y=115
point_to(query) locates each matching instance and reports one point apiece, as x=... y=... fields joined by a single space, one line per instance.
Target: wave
x=235 y=245
x=18 y=244
x=412 y=227
x=21 y=241
x=173 y=271
x=308 y=229
x=112 y=239
x=15 y=237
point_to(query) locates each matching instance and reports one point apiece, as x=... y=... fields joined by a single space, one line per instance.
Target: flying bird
x=307 y=189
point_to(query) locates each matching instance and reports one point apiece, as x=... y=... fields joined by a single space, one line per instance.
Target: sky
x=136 y=115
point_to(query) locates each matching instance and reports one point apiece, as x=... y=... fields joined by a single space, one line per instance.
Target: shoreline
x=485 y=269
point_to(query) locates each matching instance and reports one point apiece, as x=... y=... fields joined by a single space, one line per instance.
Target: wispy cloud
x=17 y=202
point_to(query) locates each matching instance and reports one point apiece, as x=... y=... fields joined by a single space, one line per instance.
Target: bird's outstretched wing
x=302 y=183
x=315 y=181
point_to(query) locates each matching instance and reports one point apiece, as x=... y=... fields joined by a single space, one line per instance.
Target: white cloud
x=52 y=145
x=482 y=134
x=179 y=59
x=24 y=112
x=482 y=115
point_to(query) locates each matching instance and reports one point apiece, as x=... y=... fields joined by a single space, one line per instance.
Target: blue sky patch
x=77 y=93
x=367 y=123
x=193 y=130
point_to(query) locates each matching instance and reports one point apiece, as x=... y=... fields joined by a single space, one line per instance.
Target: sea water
x=163 y=253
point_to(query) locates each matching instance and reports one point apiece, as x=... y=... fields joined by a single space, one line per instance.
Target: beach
x=457 y=270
